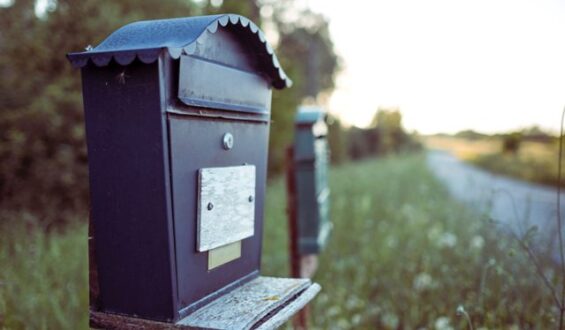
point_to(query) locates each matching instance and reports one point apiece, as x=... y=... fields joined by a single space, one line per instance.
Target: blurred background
x=481 y=80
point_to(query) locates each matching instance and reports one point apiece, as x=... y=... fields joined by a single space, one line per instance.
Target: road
x=515 y=204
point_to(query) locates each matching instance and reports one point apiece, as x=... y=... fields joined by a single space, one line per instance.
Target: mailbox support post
x=301 y=265
x=300 y=321
x=291 y=213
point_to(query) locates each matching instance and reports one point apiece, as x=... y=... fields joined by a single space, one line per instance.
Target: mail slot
x=177 y=115
x=310 y=165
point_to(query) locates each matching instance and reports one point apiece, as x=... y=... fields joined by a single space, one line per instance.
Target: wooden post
x=300 y=321
x=292 y=216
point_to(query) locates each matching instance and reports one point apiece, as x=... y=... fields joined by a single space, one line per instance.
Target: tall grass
x=402 y=255
x=43 y=277
x=533 y=161
x=538 y=170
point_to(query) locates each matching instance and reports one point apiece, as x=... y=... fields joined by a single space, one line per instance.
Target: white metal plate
x=226 y=205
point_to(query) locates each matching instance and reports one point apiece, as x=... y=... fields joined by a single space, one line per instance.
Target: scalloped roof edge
x=145 y=40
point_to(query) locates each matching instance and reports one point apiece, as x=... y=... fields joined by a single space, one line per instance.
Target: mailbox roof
x=145 y=40
x=309 y=115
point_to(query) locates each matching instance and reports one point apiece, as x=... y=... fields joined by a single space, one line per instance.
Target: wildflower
x=356 y=319
x=423 y=281
x=333 y=311
x=461 y=312
x=447 y=239
x=491 y=262
x=442 y=323
x=477 y=242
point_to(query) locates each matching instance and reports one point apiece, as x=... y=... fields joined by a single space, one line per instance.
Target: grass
x=463 y=148
x=539 y=170
x=534 y=161
x=43 y=278
x=404 y=255
x=401 y=255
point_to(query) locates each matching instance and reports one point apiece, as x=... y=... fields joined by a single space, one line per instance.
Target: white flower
x=477 y=242
x=442 y=323
x=422 y=282
x=356 y=319
x=447 y=239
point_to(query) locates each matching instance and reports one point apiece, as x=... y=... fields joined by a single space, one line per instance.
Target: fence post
x=300 y=321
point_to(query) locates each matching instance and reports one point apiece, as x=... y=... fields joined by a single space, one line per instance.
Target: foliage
x=534 y=161
x=520 y=165
x=384 y=136
x=471 y=135
x=44 y=281
x=511 y=143
x=43 y=160
x=306 y=51
x=337 y=140
x=43 y=157
x=402 y=254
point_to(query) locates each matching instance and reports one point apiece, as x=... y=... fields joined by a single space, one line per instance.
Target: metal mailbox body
x=311 y=171
x=168 y=103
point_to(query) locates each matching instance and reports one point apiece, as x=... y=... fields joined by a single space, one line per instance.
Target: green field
x=534 y=161
x=402 y=255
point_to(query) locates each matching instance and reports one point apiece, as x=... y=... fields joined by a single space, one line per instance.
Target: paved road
x=517 y=205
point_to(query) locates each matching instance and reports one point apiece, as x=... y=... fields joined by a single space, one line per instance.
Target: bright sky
x=488 y=65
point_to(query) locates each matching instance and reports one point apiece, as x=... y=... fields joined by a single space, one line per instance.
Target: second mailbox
x=177 y=118
x=311 y=171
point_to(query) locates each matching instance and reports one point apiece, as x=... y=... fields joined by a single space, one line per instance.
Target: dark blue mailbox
x=311 y=182
x=177 y=119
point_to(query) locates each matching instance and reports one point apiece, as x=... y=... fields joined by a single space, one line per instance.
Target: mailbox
x=177 y=116
x=310 y=164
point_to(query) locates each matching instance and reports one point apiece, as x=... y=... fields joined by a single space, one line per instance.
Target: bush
x=511 y=143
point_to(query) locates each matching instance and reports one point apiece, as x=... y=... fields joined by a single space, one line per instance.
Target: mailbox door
x=196 y=144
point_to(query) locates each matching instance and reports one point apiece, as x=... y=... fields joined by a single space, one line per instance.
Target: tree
x=337 y=140
x=43 y=164
x=511 y=143
x=388 y=125
x=43 y=160
x=306 y=52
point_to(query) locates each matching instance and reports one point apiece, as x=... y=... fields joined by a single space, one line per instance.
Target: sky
x=449 y=65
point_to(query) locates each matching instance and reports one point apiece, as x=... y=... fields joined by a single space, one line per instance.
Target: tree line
x=43 y=156
x=385 y=135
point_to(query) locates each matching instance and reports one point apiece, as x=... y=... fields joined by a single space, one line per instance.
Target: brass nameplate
x=223 y=254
